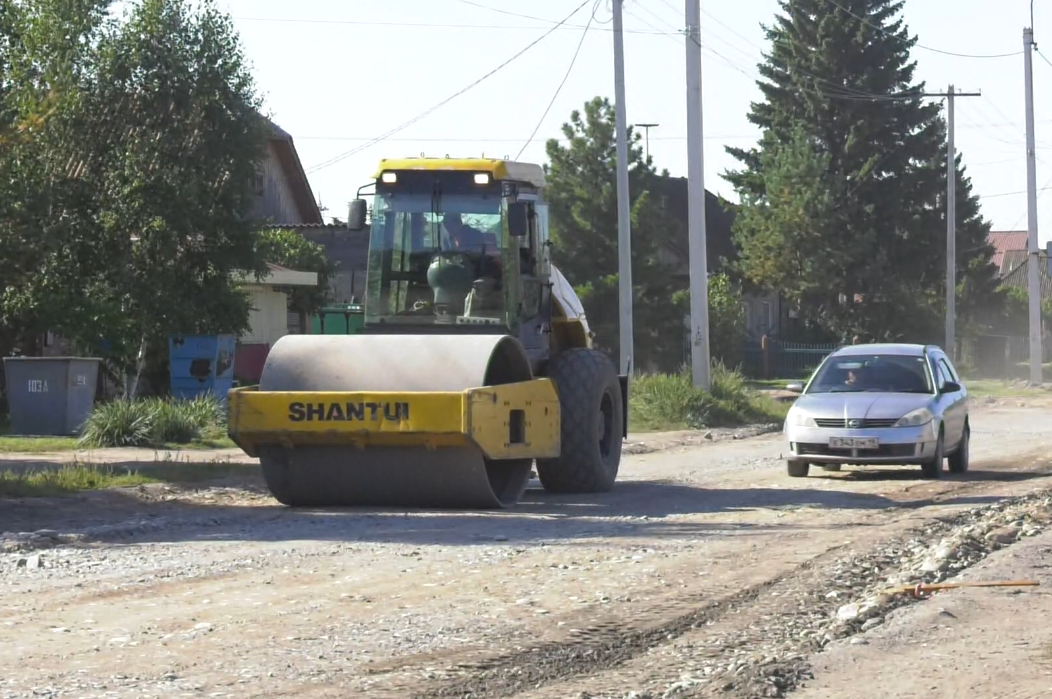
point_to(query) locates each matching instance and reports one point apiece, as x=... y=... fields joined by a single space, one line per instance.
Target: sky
x=339 y=74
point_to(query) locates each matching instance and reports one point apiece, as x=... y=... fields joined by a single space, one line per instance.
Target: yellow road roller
x=475 y=360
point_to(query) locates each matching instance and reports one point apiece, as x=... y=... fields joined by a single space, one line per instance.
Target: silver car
x=880 y=404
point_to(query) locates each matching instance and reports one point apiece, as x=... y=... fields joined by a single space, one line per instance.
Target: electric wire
x=431 y=25
x=566 y=76
x=833 y=91
x=354 y=151
x=884 y=31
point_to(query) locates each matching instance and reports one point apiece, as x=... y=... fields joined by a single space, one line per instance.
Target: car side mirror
x=356 y=214
x=951 y=387
x=795 y=387
x=519 y=219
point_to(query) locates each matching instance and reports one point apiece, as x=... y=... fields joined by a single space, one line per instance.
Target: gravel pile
x=768 y=659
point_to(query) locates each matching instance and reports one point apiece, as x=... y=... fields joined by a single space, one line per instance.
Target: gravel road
x=707 y=572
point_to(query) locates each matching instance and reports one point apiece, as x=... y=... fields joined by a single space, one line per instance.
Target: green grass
x=40 y=445
x=77 y=477
x=36 y=445
x=670 y=402
x=993 y=388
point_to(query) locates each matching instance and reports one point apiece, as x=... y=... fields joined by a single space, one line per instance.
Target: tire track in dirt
x=611 y=643
x=600 y=646
x=763 y=648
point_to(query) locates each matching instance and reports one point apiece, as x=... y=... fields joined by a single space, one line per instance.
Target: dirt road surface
x=707 y=572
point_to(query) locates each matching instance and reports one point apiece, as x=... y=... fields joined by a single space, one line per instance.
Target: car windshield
x=875 y=373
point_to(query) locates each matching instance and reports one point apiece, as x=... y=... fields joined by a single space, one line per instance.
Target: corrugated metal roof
x=1003 y=242
x=1018 y=278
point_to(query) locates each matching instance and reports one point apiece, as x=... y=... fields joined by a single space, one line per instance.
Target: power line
x=432 y=25
x=833 y=91
x=1043 y=56
x=884 y=31
x=1010 y=194
x=498 y=140
x=566 y=76
x=405 y=125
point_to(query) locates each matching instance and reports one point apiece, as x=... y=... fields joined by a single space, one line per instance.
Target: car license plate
x=853 y=443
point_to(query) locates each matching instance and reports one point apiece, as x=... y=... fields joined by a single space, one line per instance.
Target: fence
x=999 y=356
x=771 y=358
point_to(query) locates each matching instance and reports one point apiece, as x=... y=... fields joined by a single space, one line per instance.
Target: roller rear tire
x=592 y=424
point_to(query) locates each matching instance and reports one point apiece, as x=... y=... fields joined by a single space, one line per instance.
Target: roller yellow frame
x=510 y=421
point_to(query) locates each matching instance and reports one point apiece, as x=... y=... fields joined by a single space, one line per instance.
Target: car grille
x=889 y=450
x=863 y=423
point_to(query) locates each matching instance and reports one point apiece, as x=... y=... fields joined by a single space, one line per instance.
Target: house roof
x=1018 y=277
x=1003 y=242
x=290 y=163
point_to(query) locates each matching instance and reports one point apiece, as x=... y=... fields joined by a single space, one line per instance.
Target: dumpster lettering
x=348 y=412
x=37 y=386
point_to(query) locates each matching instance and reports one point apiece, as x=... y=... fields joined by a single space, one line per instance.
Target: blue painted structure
x=201 y=365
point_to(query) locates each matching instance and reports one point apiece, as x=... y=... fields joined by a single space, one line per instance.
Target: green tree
x=178 y=176
x=726 y=318
x=55 y=267
x=289 y=249
x=1016 y=311
x=582 y=194
x=841 y=200
x=125 y=178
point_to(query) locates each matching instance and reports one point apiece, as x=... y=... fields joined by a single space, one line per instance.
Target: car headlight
x=798 y=418
x=920 y=416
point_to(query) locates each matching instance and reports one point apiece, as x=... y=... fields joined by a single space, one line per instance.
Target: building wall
x=268 y=317
x=349 y=251
x=274 y=193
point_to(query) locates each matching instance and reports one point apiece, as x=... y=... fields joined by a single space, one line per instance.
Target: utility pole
x=951 y=217
x=699 y=268
x=1031 y=213
x=624 y=231
x=646 y=128
x=951 y=230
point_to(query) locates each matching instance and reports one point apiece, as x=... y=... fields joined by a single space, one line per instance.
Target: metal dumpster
x=201 y=364
x=50 y=396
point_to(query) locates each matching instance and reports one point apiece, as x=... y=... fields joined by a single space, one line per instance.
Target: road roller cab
x=474 y=361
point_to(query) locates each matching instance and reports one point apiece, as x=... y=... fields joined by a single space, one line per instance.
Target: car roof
x=902 y=348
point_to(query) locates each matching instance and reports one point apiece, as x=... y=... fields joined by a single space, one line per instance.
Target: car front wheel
x=933 y=468
x=797 y=468
x=958 y=461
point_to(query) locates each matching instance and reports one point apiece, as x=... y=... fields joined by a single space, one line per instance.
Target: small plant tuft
x=670 y=402
x=153 y=422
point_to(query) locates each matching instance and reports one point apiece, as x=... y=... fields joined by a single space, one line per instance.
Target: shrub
x=670 y=401
x=153 y=422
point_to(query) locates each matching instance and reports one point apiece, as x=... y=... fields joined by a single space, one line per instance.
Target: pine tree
x=582 y=193
x=842 y=204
